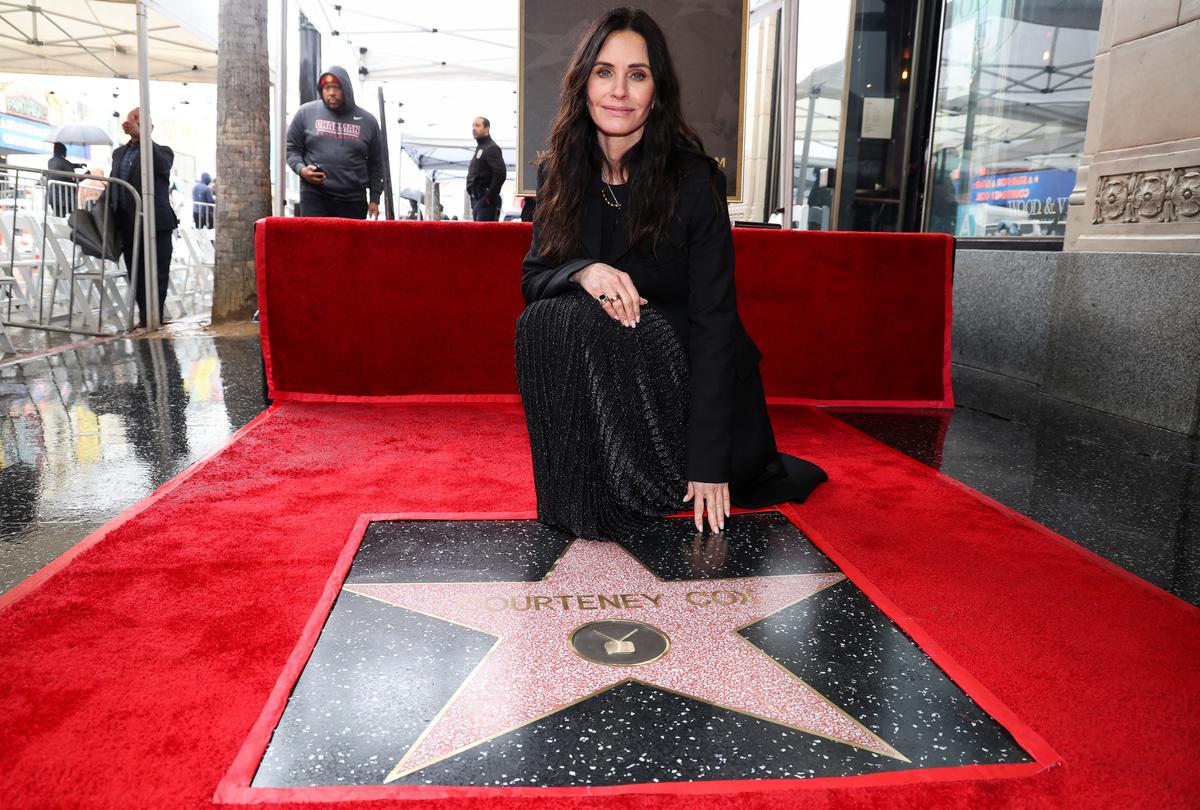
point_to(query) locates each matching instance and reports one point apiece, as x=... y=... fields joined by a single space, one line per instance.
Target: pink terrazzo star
x=533 y=670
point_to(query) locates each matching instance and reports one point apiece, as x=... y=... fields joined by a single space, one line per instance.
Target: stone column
x=1138 y=187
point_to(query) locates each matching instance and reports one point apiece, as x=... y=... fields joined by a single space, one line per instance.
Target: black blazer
x=690 y=282
x=164 y=158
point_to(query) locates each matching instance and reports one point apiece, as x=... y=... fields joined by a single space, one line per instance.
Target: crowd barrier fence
x=62 y=268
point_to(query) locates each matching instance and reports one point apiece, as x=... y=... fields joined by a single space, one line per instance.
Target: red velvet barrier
x=354 y=310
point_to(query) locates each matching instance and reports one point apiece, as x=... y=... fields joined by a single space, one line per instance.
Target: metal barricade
x=204 y=215
x=59 y=261
x=193 y=261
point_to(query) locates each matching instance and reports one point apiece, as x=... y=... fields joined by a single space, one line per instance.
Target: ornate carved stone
x=1149 y=196
x=1166 y=195
x=1185 y=194
x=1112 y=199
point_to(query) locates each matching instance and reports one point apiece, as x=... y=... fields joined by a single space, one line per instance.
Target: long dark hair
x=653 y=165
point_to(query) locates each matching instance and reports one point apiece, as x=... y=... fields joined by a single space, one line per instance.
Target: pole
x=389 y=207
x=146 y=149
x=771 y=184
x=813 y=94
x=281 y=123
x=787 y=107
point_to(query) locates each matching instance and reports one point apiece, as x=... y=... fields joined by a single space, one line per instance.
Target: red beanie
x=328 y=78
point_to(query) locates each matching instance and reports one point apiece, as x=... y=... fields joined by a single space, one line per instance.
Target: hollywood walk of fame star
x=544 y=658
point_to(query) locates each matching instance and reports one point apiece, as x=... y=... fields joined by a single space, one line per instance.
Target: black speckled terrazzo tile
x=438 y=660
x=438 y=551
x=1128 y=492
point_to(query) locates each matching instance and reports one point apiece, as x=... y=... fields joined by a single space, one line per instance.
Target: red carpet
x=133 y=676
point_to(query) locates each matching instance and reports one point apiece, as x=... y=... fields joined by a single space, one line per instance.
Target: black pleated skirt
x=608 y=408
x=607 y=411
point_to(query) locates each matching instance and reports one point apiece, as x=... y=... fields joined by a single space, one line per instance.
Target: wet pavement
x=87 y=431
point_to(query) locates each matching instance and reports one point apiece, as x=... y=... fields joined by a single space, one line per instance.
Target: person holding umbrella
x=61 y=190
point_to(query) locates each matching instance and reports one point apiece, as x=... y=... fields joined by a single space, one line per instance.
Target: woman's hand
x=614 y=290
x=710 y=498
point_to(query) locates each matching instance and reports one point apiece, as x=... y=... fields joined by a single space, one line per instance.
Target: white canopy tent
x=99 y=38
x=446 y=63
x=819 y=115
x=438 y=66
x=449 y=158
x=1034 y=86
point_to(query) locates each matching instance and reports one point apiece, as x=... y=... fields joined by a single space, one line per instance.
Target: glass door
x=881 y=155
x=820 y=72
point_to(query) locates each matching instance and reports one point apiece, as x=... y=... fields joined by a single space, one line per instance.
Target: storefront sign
x=26 y=107
x=23 y=135
x=1040 y=194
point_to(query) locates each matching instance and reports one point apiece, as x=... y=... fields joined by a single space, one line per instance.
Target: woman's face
x=620 y=88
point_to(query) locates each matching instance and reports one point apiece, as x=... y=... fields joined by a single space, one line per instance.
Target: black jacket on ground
x=690 y=282
x=487 y=173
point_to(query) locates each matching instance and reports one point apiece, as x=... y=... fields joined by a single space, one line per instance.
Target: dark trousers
x=62 y=199
x=315 y=204
x=131 y=234
x=484 y=211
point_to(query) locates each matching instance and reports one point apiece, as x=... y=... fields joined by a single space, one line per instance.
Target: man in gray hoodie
x=336 y=149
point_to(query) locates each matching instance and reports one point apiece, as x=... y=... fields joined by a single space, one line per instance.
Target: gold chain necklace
x=611 y=203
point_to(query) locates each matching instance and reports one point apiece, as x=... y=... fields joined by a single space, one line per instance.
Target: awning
x=445 y=63
x=99 y=38
x=446 y=159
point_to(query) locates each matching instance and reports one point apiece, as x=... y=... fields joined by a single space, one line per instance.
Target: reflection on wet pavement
x=88 y=432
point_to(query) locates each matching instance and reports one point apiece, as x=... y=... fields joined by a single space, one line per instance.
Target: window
x=1013 y=90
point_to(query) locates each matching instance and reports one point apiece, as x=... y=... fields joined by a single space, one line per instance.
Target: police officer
x=486 y=174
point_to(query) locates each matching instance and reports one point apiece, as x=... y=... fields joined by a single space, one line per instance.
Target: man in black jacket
x=127 y=166
x=486 y=174
x=62 y=195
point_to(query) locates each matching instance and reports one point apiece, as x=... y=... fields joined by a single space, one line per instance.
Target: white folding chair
x=19 y=263
x=95 y=284
x=6 y=285
x=180 y=281
x=198 y=247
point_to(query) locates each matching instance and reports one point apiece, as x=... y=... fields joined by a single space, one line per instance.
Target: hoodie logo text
x=337 y=129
